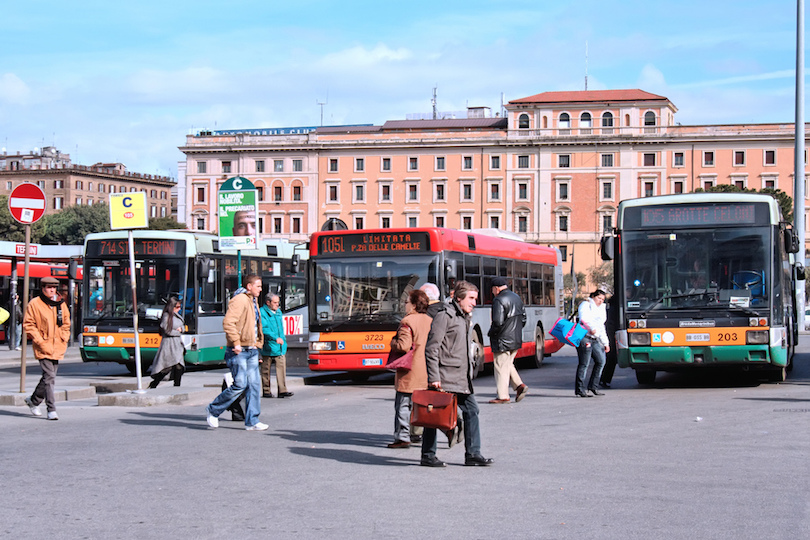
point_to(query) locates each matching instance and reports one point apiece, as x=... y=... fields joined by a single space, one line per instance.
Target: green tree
x=785 y=201
x=165 y=224
x=12 y=230
x=72 y=224
x=601 y=275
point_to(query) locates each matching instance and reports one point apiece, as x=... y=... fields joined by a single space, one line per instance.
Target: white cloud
x=13 y=90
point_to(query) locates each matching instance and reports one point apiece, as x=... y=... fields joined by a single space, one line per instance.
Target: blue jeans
x=245 y=370
x=589 y=347
x=472 y=431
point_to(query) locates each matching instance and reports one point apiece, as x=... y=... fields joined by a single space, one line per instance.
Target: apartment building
x=552 y=170
x=66 y=184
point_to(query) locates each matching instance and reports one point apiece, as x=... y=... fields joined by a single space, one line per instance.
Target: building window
x=163 y=194
x=162 y=211
x=152 y=192
x=677 y=187
x=585 y=123
x=466 y=223
x=440 y=166
x=607 y=224
x=523 y=121
x=649 y=120
x=79 y=184
x=523 y=162
x=260 y=192
x=494 y=191
x=607 y=160
x=563 y=224
x=649 y=189
x=277 y=193
x=200 y=194
x=523 y=224
x=386 y=164
x=112 y=190
x=89 y=185
x=413 y=164
x=412 y=222
x=413 y=192
x=494 y=222
x=296 y=193
x=770 y=157
x=78 y=201
x=439 y=221
x=739 y=158
x=495 y=162
x=200 y=224
x=564 y=160
x=607 y=122
x=153 y=211
x=359 y=193
x=523 y=191
x=607 y=191
x=466 y=163
x=708 y=184
x=649 y=160
x=298 y=165
x=333 y=165
x=562 y=191
x=677 y=159
x=565 y=121
x=770 y=183
x=708 y=159
x=739 y=184
x=358 y=222
x=440 y=192
x=385 y=193
x=385 y=223
x=296 y=225
x=202 y=167
x=9 y=185
x=226 y=167
x=359 y=165
x=59 y=184
x=466 y=192
x=58 y=203
x=278 y=165
x=260 y=165
x=333 y=193
x=277 y=225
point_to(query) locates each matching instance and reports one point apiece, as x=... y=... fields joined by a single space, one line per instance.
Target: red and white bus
x=359 y=282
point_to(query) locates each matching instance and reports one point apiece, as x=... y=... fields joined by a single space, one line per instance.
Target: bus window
x=211 y=289
x=294 y=296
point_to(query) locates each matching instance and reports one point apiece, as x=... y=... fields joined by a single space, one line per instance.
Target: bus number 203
x=728 y=336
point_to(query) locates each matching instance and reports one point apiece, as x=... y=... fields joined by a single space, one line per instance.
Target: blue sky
x=126 y=82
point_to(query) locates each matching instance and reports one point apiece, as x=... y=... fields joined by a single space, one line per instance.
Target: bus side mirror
x=791 y=240
x=295 y=262
x=800 y=275
x=73 y=269
x=204 y=265
x=606 y=247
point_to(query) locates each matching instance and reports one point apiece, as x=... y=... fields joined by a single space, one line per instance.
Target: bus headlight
x=638 y=339
x=757 y=337
x=90 y=341
x=321 y=346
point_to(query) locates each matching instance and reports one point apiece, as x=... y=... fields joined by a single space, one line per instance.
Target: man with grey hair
x=434 y=298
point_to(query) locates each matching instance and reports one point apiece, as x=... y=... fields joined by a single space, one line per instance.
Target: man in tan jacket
x=243 y=335
x=47 y=321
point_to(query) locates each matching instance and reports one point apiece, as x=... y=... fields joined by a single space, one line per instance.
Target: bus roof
x=441 y=239
x=699 y=198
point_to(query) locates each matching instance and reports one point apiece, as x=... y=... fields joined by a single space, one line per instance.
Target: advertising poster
x=237 y=202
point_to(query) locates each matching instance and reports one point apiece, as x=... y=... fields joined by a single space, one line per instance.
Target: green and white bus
x=188 y=265
x=704 y=279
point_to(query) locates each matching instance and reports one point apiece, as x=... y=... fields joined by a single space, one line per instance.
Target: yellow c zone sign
x=128 y=211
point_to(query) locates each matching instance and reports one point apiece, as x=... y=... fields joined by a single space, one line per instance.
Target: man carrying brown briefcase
x=450 y=368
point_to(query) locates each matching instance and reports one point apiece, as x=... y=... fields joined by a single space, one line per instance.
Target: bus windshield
x=368 y=289
x=109 y=290
x=696 y=268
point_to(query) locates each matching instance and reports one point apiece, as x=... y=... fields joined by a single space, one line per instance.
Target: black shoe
x=400 y=444
x=285 y=394
x=579 y=394
x=432 y=462
x=416 y=439
x=596 y=392
x=604 y=384
x=478 y=461
x=267 y=394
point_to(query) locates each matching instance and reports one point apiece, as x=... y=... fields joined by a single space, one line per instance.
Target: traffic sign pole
x=24 y=340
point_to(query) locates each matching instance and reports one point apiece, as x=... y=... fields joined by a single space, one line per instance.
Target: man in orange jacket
x=47 y=321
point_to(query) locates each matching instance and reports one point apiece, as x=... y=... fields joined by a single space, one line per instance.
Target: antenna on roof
x=322 y=103
x=586 y=65
x=433 y=101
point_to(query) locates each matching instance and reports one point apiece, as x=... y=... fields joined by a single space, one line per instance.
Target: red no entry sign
x=27 y=203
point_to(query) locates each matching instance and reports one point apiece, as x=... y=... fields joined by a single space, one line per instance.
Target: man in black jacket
x=506 y=338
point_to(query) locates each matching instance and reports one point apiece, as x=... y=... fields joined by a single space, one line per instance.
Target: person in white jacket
x=592 y=315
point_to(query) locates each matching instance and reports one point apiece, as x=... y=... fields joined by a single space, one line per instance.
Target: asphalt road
x=696 y=456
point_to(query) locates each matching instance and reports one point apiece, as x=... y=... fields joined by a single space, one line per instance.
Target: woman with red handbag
x=410 y=339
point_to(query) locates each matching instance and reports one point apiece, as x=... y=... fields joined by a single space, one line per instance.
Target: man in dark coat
x=506 y=338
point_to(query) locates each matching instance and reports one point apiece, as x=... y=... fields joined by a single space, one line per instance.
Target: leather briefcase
x=434 y=409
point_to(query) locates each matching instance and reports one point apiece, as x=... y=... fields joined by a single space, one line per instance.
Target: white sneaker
x=34 y=408
x=258 y=426
x=212 y=420
x=53 y=416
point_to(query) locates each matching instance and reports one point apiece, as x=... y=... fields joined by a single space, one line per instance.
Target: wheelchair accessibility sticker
x=341 y=345
x=656 y=338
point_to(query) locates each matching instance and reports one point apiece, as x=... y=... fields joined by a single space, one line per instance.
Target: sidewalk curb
x=64 y=393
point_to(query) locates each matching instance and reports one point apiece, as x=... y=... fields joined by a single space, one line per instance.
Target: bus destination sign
x=144 y=248
x=696 y=215
x=373 y=244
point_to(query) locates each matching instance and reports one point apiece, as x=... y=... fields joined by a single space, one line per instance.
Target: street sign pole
x=133 y=282
x=24 y=340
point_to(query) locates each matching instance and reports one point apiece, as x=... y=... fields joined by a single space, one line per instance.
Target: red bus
x=359 y=281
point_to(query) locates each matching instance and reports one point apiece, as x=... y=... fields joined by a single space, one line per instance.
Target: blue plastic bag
x=568 y=332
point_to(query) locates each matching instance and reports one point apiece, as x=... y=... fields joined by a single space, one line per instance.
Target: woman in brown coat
x=413 y=332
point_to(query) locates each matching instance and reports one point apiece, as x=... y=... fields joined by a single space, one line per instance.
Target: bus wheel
x=645 y=376
x=131 y=368
x=778 y=375
x=539 y=346
x=478 y=355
